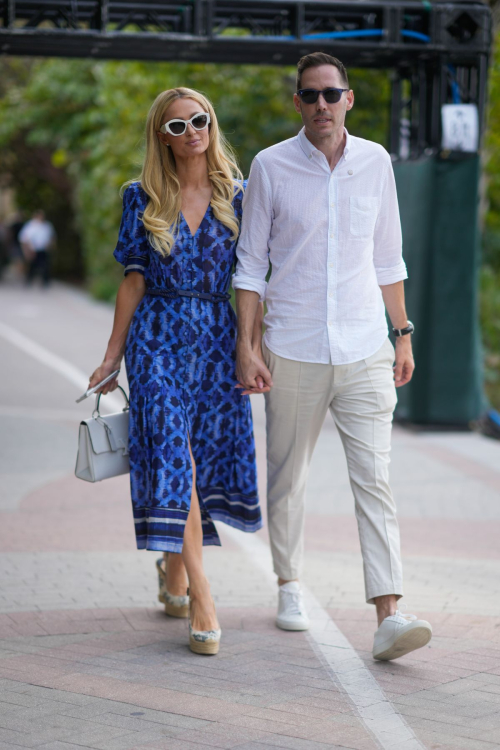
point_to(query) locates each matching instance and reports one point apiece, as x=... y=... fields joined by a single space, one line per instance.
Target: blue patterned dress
x=180 y=359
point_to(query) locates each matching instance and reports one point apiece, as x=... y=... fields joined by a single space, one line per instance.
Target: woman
x=192 y=455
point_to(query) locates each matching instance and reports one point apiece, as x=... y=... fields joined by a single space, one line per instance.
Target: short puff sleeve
x=132 y=249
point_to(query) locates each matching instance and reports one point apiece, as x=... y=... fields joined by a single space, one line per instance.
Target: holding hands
x=253 y=375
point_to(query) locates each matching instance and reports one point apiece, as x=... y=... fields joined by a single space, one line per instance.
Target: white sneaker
x=291 y=611
x=399 y=634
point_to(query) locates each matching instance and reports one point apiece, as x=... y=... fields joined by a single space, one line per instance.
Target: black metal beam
x=371 y=33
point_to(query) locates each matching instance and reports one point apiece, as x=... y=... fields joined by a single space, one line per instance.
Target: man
x=322 y=207
x=37 y=238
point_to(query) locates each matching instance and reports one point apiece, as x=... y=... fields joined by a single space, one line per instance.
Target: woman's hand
x=102 y=372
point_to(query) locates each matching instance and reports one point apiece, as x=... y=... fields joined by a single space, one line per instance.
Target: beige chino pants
x=361 y=397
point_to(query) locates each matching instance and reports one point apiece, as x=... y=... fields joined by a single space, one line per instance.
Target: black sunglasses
x=310 y=96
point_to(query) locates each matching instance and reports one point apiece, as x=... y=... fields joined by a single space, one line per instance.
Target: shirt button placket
x=332 y=227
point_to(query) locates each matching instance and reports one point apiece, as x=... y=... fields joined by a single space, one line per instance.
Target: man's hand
x=251 y=371
x=405 y=363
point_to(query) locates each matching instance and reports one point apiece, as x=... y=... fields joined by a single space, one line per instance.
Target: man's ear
x=296 y=103
x=350 y=99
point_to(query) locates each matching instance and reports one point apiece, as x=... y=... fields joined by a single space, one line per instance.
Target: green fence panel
x=439 y=214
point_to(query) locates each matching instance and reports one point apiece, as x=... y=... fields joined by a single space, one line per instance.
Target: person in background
x=37 y=239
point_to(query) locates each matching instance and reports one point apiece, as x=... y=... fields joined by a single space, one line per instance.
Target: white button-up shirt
x=38 y=233
x=333 y=237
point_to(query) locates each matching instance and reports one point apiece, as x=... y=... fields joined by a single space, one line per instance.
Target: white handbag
x=103 y=444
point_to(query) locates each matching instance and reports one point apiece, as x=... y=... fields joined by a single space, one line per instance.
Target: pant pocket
x=381 y=373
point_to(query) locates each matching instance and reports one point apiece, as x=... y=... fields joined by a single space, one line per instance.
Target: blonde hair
x=159 y=177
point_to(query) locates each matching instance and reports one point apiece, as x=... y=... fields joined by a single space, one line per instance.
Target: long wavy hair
x=159 y=177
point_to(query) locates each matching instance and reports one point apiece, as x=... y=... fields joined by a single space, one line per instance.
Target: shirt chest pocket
x=363 y=216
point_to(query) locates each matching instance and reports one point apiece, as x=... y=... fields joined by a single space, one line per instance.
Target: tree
x=71 y=135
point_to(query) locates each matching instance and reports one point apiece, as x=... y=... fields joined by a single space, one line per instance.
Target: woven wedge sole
x=209 y=647
x=407 y=642
x=173 y=611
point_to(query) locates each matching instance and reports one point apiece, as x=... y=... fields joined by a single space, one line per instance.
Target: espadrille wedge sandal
x=204 y=641
x=175 y=606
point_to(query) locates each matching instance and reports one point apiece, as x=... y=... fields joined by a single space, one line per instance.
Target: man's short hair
x=314 y=60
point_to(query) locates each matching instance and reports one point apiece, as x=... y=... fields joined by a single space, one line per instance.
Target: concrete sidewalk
x=87 y=657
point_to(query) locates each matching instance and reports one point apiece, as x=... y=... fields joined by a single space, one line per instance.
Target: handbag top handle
x=98 y=401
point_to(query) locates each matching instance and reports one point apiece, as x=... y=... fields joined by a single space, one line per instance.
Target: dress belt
x=174 y=293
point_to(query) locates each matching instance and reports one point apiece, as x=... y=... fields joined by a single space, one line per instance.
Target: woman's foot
x=202 y=614
x=204 y=630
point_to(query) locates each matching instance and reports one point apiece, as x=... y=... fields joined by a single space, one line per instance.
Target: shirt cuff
x=391 y=275
x=251 y=285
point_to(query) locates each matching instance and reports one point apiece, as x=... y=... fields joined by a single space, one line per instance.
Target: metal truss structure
x=437 y=50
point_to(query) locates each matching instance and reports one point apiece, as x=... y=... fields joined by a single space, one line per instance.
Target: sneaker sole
x=407 y=642
x=291 y=625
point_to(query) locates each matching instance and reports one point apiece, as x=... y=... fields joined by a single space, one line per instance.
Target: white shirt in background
x=39 y=234
x=332 y=239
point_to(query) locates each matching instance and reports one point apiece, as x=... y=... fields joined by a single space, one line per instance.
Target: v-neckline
x=193 y=234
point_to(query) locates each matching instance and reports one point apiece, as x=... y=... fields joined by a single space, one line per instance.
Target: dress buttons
x=349 y=171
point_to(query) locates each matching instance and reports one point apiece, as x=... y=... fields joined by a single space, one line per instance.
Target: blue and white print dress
x=180 y=359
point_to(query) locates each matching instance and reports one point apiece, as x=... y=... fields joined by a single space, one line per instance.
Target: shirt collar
x=309 y=149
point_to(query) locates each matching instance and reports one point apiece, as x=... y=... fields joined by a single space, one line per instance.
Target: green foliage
x=490 y=278
x=491 y=242
x=85 y=121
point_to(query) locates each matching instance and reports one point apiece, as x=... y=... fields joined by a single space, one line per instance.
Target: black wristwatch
x=404 y=331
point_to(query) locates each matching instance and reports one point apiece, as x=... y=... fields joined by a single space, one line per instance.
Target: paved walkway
x=87 y=657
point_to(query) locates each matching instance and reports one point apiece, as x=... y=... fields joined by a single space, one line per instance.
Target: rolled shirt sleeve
x=252 y=251
x=388 y=244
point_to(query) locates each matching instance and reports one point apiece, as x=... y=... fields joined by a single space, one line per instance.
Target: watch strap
x=404 y=331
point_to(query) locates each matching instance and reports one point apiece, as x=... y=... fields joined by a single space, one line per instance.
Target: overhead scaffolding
x=438 y=54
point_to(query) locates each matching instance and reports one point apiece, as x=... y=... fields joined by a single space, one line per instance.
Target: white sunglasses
x=200 y=121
